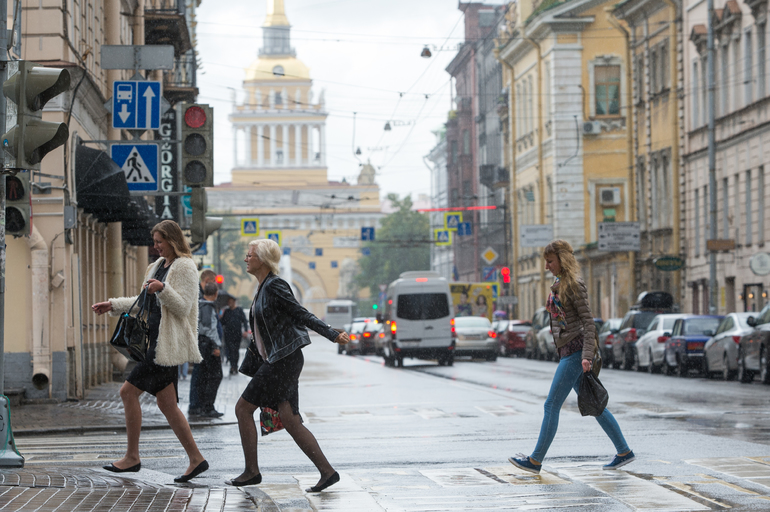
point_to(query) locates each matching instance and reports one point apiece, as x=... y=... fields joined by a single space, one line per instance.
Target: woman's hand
x=587 y=365
x=342 y=339
x=102 y=307
x=154 y=286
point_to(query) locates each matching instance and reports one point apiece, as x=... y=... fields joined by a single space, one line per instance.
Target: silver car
x=475 y=337
x=722 y=349
x=649 y=349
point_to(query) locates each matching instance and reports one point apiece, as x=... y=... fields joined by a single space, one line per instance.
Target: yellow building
x=280 y=176
x=565 y=66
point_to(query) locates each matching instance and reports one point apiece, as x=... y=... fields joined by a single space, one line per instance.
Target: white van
x=418 y=320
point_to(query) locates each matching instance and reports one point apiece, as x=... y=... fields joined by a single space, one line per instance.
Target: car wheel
x=681 y=369
x=652 y=367
x=492 y=356
x=764 y=371
x=727 y=373
x=636 y=364
x=503 y=350
x=400 y=361
x=667 y=368
x=339 y=349
x=628 y=359
x=706 y=368
x=744 y=374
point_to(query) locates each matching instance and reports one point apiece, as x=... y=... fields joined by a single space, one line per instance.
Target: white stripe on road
x=756 y=470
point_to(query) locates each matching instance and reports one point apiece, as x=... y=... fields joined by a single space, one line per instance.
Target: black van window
x=422 y=306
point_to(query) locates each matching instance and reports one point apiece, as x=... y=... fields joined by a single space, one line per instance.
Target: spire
x=276 y=14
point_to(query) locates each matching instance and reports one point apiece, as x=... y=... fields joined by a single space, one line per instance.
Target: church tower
x=282 y=129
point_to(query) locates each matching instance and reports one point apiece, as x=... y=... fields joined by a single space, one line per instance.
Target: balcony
x=492 y=176
x=166 y=23
x=180 y=83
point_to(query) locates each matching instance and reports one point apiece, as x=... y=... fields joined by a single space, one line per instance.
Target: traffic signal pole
x=3 y=66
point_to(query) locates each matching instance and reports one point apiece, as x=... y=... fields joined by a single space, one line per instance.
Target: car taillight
x=737 y=339
x=631 y=336
x=367 y=335
x=353 y=337
x=608 y=339
x=662 y=339
x=452 y=323
x=492 y=334
x=393 y=330
x=382 y=335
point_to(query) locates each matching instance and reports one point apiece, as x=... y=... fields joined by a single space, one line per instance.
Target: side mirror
x=667 y=334
x=751 y=321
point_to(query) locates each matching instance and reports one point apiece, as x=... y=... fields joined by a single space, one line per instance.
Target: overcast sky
x=363 y=54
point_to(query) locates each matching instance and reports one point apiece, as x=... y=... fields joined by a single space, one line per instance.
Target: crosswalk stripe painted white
x=755 y=470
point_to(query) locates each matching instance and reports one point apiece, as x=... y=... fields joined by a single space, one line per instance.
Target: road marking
x=689 y=490
x=452 y=477
x=755 y=470
x=344 y=495
x=498 y=410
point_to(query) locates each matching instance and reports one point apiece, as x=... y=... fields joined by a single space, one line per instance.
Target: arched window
x=278 y=71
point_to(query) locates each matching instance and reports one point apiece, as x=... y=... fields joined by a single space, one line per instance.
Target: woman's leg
x=567 y=373
x=132 y=409
x=305 y=440
x=612 y=429
x=244 y=411
x=168 y=406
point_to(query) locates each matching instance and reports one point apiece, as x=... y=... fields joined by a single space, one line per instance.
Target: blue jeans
x=568 y=376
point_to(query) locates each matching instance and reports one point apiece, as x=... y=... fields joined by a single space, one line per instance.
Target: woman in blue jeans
x=573 y=329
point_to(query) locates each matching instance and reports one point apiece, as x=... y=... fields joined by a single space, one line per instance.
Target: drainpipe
x=541 y=171
x=41 y=340
x=630 y=128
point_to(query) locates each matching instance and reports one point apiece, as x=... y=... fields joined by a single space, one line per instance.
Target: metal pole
x=3 y=66
x=712 y=161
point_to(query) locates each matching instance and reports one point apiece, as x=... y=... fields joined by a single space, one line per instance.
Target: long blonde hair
x=570 y=268
x=172 y=233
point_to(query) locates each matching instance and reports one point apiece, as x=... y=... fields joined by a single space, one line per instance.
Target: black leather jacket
x=282 y=321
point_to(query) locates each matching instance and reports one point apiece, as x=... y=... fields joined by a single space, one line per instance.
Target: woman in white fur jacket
x=171 y=286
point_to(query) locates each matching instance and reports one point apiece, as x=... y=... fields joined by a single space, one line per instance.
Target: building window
x=455 y=197
x=454 y=151
x=466 y=142
x=695 y=96
x=278 y=99
x=639 y=78
x=703 y=88
x=706 y=217
x=725 y=209
x=736 y=210
x=519 y=127
x=761 y=205
x=748 y=67
x=737 y=74
x=748 y=208
x=725 y=81
x=665 y=194
x=530 y=110
x=607 y=90
x=761 y=57
x=696 y=219
x=653 y=72
x=654 y=192
x=642 y=193
x=663 y=66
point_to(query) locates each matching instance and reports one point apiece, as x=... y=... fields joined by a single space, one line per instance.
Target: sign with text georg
x=619 y=236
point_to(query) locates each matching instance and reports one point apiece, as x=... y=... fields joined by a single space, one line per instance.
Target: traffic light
x=197 y=136
x=30 y=138
x=220 y=279
x=506 y=273
x=18 y=209
x=375 y=306
x=201 y=226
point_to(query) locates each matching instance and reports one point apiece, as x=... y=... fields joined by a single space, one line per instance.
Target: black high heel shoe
x=200 y=468
x=115 y=469
x=329 y=482
x=255 y=480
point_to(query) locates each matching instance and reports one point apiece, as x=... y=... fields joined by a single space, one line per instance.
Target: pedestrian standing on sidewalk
x=573 y=330
x=170 y=284
x=208 y=373
x=196 y=407
x=279 y=326
x=234 y=323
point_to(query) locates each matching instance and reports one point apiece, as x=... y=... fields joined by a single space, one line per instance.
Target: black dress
x=148 y=376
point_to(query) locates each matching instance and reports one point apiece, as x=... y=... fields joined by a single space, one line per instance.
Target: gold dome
x=265 y=69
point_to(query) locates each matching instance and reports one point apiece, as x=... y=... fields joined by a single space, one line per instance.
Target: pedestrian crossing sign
x=139 y=163
x=273 y=235
x=249 y=227
x=442 y=237
x=452 y=220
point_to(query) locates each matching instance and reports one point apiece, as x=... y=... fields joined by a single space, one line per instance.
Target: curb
x=107 y=428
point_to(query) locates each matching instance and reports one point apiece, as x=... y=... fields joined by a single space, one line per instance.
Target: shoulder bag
x=130 y=336
x=592 y=396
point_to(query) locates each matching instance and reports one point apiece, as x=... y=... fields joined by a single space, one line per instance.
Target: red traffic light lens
x=195 y=117
x=220 y=279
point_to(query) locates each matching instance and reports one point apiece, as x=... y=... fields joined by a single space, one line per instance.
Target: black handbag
x=252 y=361
x=592 y=396
x=130 y=336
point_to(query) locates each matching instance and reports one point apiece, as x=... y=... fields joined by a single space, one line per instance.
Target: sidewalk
x=86 y=489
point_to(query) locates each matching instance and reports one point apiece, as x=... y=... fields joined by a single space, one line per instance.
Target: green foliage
x=402 y=243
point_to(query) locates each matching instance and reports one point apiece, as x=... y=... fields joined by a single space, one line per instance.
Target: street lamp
x=426 y=52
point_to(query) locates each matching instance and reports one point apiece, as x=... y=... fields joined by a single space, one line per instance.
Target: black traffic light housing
x=18 y=208
x=30 y=138
x=201 y=226
x=197 y=147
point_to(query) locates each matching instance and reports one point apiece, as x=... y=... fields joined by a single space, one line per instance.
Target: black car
x=754 y=349
x=634 y=324
x=607 y=333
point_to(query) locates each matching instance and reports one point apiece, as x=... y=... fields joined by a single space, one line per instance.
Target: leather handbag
x=130 y=336
x=252 y=361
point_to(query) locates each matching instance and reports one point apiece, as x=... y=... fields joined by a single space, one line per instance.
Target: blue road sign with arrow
x=139 y=163
x=464 y=229
x=136 y=105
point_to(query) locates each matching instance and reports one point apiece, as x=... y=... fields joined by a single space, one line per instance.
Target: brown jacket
x=579 y=319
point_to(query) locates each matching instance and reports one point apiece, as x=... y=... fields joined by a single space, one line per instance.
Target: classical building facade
x=441 y=257
x=568 y=144
x=280 y=175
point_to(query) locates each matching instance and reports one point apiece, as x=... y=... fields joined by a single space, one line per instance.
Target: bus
x=340 y=313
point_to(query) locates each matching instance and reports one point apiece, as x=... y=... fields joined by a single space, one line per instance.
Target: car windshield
x=694 y=326
x=520 y=328
x=423 y=306
x=668 y=323
x=472 y=321
x=371 y=326
x=357 y=327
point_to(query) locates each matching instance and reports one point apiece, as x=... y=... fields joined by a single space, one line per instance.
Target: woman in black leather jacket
x=279 y=324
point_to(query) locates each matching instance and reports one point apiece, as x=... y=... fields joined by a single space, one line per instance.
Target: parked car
x=649 y=349
x=513 y=340
x=634 y=325
x=754 y=349
x=546 y=348
x=475 y=337
x=540 y=319
x=684 y=349
x=721 y=351
x=606 y=334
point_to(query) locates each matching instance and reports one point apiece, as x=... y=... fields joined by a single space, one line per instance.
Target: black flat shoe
x=329 y=482
x=203 y=466
x=115 y=469
x=251 y=481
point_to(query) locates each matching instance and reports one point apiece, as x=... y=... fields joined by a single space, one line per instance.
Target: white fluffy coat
x=178 y=332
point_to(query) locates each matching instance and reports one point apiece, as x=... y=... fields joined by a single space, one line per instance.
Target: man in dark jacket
x=234 y=323
x=207 y=375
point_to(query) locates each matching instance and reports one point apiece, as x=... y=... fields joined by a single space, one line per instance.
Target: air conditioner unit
x=609 y=196
x=592 y=128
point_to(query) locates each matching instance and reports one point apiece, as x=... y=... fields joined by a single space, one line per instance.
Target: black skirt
x=154 y=378
x=276 y=383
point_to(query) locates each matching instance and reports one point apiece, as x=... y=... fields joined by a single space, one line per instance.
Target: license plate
x=695 y=346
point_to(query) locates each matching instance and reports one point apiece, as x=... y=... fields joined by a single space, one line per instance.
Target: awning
x=103 y=192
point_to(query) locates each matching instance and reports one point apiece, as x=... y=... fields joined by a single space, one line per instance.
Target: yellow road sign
x=442 y=236
x=273 y=235
x=250 y=227
x=452 y=220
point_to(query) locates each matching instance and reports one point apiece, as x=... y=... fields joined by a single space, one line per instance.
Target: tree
x=402 y=243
